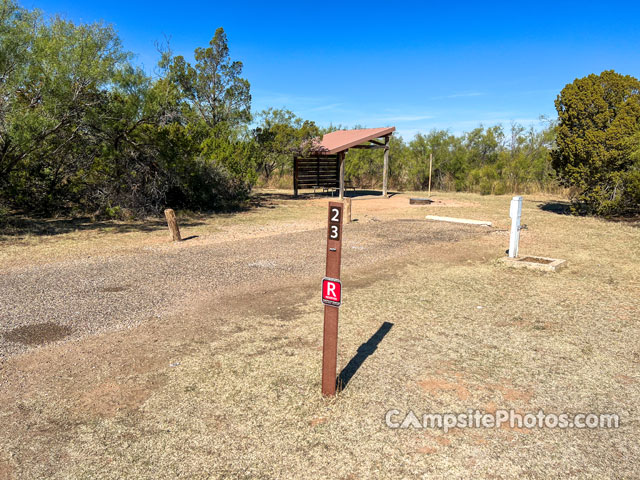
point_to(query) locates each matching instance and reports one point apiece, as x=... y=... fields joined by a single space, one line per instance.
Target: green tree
x=598 y=139
x=51 y=97
x=83 y=130
x=214 y=86
x=213 y=108
x=16 y=35
x=279 y=136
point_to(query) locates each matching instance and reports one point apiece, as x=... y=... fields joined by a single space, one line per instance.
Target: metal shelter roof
x=342 y=140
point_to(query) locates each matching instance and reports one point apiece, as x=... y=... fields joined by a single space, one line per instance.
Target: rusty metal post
x=330 y=340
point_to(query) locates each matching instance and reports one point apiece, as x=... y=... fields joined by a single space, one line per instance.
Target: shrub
x=598 y=143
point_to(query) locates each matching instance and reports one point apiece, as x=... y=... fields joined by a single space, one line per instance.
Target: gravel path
x=71 y=299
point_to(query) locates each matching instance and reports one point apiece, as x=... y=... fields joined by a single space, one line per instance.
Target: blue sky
x=418 y=66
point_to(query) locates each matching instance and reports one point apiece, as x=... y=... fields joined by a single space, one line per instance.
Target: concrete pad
x=458 y=220
x=544 y=264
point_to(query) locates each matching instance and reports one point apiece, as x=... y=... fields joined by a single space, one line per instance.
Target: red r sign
x=331 y=292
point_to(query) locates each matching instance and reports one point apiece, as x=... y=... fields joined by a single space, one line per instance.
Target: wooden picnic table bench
x=348 y=184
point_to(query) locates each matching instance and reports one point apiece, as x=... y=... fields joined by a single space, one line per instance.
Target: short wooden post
x=173 y=224
x=347 y=210
x=385 y=171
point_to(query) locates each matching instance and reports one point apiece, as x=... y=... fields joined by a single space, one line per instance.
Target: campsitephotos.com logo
x=500 y=418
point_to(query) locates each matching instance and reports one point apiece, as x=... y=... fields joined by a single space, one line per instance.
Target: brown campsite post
x=173 y=224
x=330 y=340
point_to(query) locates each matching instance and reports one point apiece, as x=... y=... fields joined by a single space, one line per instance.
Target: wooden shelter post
x=295 y=176
x=341 y=157
x=385 y=172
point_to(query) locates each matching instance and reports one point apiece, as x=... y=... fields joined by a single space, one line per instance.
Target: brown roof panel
x=342 y=140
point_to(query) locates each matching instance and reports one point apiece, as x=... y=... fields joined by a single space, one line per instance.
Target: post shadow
x=364 y=351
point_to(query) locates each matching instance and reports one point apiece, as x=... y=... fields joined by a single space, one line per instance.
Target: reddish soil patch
x=443 y=441
x=436 y=385
x=627 y=380
x=5 y=471
x=427 y=449
x=512 y=394
x=317 y=421
x=109 y=398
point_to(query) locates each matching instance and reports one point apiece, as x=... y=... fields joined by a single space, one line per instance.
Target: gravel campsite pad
x=86 y=296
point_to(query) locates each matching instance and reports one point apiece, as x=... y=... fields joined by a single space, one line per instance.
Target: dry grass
x=231 y=388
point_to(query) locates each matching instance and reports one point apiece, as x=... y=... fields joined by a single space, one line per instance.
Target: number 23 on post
x=335 y=222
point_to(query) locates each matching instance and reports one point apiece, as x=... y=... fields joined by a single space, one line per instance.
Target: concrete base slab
x=545 y=264
x=420 y=201
x=458 y=220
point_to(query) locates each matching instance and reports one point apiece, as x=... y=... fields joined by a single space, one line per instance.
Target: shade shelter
x=324 y=167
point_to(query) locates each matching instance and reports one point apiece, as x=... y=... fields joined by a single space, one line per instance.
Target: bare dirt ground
x=124 y=356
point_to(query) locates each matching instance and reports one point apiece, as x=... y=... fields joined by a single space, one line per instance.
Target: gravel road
x=71 y=299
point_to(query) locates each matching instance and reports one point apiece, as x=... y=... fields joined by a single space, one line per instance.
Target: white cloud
x=459 y=95
x=331 y=106
x=404 y=118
